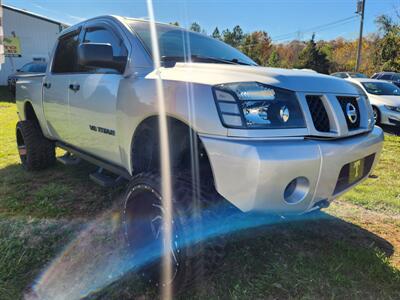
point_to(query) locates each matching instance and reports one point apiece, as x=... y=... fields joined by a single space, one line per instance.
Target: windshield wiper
x=236 y=61
x=200 y=58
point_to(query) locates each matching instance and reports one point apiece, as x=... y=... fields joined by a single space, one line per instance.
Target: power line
x=304 y=32
x=314 y=31
x=315 y=28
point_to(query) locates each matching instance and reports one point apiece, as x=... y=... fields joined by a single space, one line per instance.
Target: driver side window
x=103 y=35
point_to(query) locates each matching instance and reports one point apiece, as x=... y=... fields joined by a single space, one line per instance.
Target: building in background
x=27 y=37
x=1 y=36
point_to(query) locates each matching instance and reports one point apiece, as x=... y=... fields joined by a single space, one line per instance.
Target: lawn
x=349 y=251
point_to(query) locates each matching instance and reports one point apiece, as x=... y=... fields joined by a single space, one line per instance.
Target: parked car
x=392 y=77
x=28 y=69
x=264 y=140
x=384 y=98
x=349 y=75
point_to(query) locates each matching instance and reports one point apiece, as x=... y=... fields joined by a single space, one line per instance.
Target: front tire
x=192 y=254
x=377 y=115
x=35 y=151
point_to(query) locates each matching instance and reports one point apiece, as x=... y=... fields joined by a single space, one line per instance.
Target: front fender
x=192 y=104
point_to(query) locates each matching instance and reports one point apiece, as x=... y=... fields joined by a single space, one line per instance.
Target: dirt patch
x=384 y=225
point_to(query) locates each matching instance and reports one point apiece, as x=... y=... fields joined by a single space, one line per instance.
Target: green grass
x=26 y=245
x=57 y=192
x=331 y=258
x=299 y=261
x=382 y=191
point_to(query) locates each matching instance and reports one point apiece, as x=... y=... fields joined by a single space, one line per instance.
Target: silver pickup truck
x=264 y=139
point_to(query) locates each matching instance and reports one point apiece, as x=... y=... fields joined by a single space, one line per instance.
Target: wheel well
x=187 y=152
x=30 y=113
x=377 y=109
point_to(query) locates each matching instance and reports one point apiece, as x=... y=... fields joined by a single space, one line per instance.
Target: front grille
x=318 y=113
x=352 y=117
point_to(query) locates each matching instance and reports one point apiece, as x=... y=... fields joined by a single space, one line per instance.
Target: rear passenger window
x=65 y=57
x=105 y=36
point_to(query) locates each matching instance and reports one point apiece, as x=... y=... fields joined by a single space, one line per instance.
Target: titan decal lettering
x=102 y=130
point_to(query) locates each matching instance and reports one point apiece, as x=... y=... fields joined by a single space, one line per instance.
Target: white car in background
x=384 y=97
x=345 y=75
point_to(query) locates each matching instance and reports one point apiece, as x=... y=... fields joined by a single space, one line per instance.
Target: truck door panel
x=55 y=86
x=92 y=112
x=93 y=106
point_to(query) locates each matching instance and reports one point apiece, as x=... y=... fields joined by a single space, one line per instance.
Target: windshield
x=38 y=68
x=34 y=68
x=179 y=43
x=381 y=88
x=340 y=75
x=358 y=75
x=26 y=68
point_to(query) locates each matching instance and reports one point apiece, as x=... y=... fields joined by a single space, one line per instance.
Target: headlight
x=393 y=108
x=256 y=105
x=370 y=112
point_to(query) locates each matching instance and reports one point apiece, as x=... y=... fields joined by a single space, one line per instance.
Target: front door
x=93 y=94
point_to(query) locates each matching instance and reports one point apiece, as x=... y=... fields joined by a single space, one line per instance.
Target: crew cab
x=264 y=139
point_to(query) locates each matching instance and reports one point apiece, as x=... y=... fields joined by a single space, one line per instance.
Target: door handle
x=47 y=85
x=74 y=87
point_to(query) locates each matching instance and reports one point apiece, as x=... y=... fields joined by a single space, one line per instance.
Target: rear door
x=56 y=83
x=93 y=94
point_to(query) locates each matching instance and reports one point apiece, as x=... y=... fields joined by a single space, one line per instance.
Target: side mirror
x=18 y=70
x=99 y=56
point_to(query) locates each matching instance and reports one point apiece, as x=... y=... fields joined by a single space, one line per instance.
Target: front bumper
x=389 y=117
x=254 y=174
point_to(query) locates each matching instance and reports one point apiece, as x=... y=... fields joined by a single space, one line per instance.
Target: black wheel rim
x=144 y=232
x=375 y=115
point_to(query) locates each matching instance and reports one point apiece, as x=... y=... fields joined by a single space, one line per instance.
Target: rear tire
x=191 y=257
x=35 y=151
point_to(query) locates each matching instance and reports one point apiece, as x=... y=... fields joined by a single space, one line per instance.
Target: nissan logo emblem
x=351 y=112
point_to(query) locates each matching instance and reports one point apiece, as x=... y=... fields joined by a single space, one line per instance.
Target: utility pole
x=360 y=11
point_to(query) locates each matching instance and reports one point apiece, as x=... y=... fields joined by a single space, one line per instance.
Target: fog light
x=297 y=190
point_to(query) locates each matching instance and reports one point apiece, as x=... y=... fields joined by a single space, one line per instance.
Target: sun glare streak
x=166 y=292
x=194 y=146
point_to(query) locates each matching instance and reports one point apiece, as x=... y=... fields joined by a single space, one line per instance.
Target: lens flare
x=165 y=161
x=99 y=255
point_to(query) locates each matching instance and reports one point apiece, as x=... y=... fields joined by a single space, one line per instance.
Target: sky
x=284 y=20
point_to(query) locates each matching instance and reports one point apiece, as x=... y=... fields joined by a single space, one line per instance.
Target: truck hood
x=291 y=79
x=386 y=100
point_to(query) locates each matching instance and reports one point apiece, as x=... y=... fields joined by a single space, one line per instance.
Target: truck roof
x=111 y=17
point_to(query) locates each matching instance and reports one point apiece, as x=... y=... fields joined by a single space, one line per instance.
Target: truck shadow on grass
x=393 y=130
x=317 y=256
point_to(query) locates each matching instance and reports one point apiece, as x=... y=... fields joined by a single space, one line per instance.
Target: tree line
x=381 y=50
